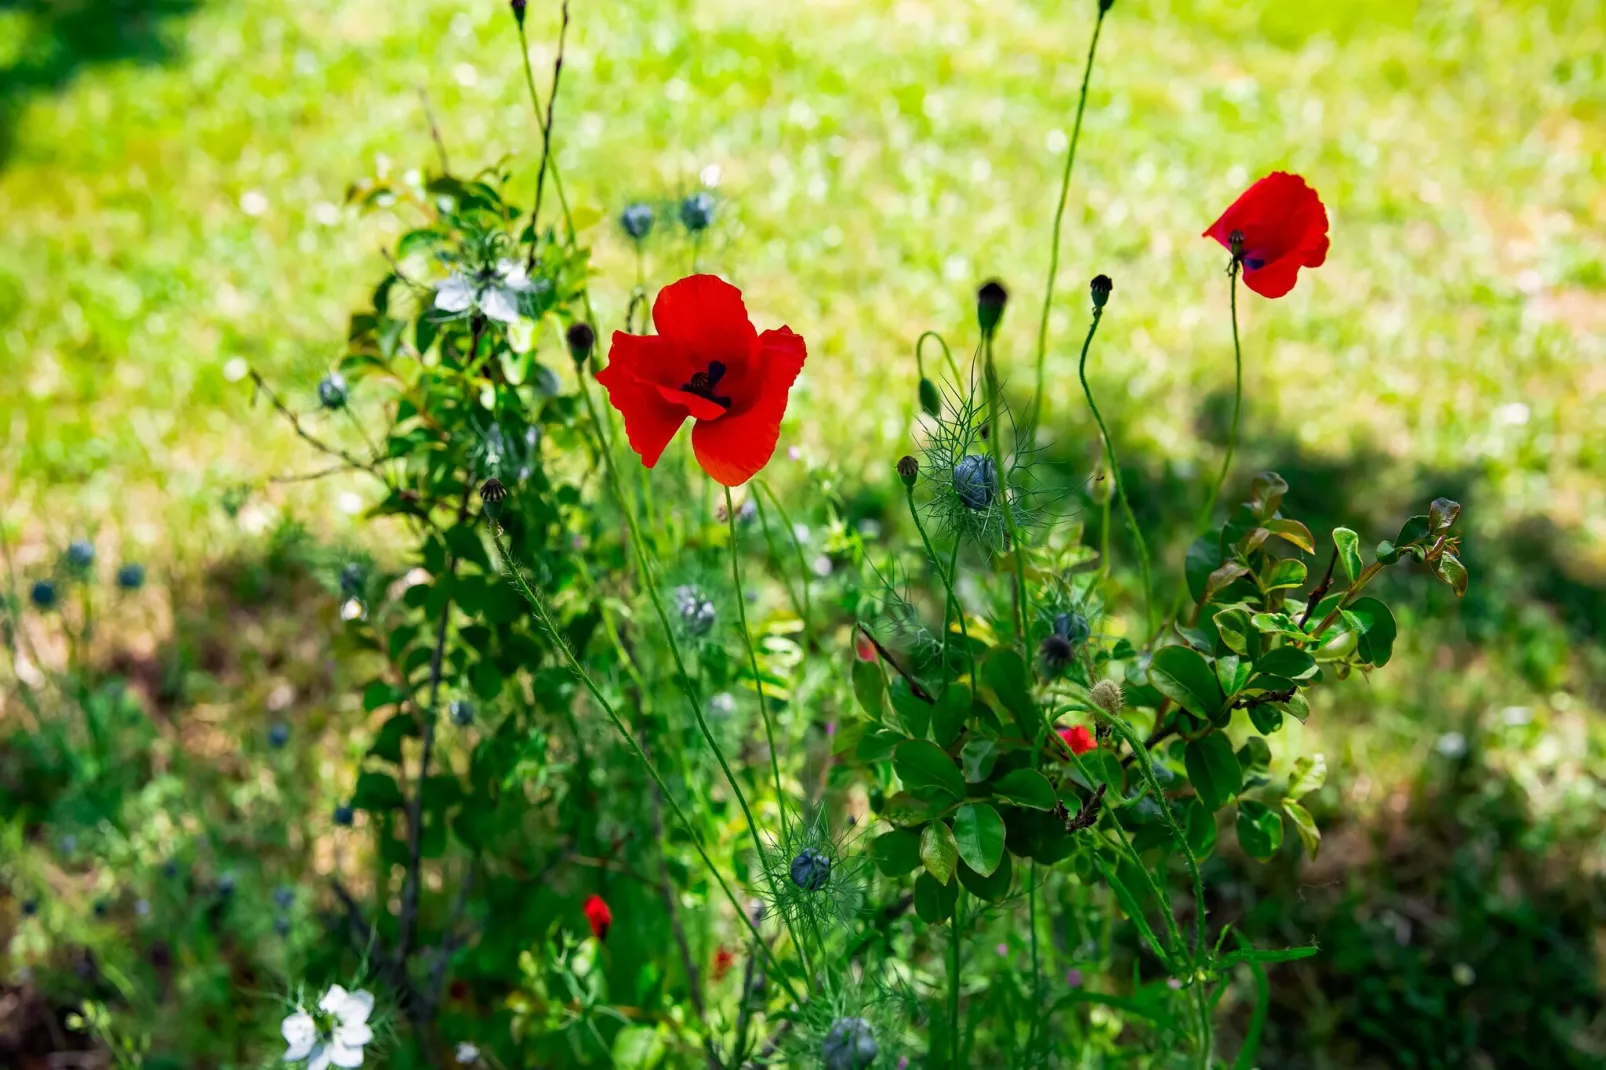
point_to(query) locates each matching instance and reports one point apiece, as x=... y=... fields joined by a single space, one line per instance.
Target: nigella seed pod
x=1071 y=627
x=284 y=896
x=493 y=494
x=811 y=869
x=990 y=300
x=850 y=1045
x=80 y=554
x=281 y=926
x=345 y=815
x=43 y=594
x=697 y=211
x=332 y=391
x=581 y=338
x=974 y=477
x=637 y=221
x=461 y=712
x=696 y=611
x=130 y=576
x=908 y=470
x=351 y=580
x=30 y=907
x=930 y=400
x=278 y=734
x=1056 y=652
x=1101 y=288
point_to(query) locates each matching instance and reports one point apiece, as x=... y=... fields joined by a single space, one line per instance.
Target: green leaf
x=1287 y=572
x=925 y=767
x=877 y=744
x=991 y=887
x=1213 y=769
x=388 y=744
x=381 y=693
x=1025 y=787
x=1266 y=492
x=1305 y=825
x=913 y=713
x=1348 y=545
x=1291 y=954
x=1276 y=624
x=1260 y=829
x=1289 y=662
x=938 y=851
x=1005 y=674
x=1232 y=673
x=1449 y=568
x=896 y=852
x=1442 y=515
x=1233 y=626
x=1181 y=674
x=487 y=680
x=1308 y=775
x=1266 y=717
x=1223 y=577
x=949 y=714
x=1377 y=630
x=1199 y=825
x=869 y=687
x=907 y=811
x=377 y=792
x=1292 y=531
x=1204 y=557
x=979 y=832
x=1254 y=754
x=1297 y=708
x=977 y=757
x=934 y=901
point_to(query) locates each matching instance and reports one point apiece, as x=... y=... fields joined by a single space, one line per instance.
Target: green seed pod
x=930 y=400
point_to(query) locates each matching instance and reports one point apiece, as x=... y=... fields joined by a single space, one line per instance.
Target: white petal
x=319 y=1060
x=353 y=1034
x=359 y=1005
x=300 y=1032
x=456 y=294
x=500 y=304
x=333 y=1000
x=341 y=1055
x=514 y=276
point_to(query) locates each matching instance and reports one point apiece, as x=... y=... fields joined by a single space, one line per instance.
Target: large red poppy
x=1284 y=228
x=706 y=362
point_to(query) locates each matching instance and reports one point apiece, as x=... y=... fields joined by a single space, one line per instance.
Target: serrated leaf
x=1182 y=675
x=979 y=833
x=938 y=851
x=1308 y=775
x=1025 y=787
x=1260 y=829
x=925 y=767
x=1348 y=545
x=1213 y=770
x=1305 y=825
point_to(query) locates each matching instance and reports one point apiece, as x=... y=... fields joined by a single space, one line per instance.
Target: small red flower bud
x=599 y=917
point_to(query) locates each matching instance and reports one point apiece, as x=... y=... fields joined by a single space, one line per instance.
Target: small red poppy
x=706 y=362
x=1078 y=738
x=600 y=917
x=723 y=959
x=1284 y=228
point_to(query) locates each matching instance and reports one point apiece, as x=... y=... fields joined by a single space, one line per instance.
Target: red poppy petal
x=1275 y=279
x=733 y=448
x=1284 y=225
x=651 y=420
x=705 y=317
x=700 y=407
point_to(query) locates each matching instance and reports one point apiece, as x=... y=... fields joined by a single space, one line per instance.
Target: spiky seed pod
x=332 y=391
x=1071 y=627
x=493 y=494
x=351 y=579
x=974 y=479
x=581 y=338
x=637 y=221
x=850 y=1045
x=908 y=470
x=1101 y=287
x=697 y=211
x=1056 y=652
x=130 y=576
x=811 y=869
x=461 y=712
x=697 y=613
x=930 y=400
x=1107 y=696
x=990 y=301
x=43 y=594
x=80 y=554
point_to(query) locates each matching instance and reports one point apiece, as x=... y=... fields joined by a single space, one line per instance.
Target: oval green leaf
x=1025 y=787
x=925 y=767
x=934 y=902
x=1260 y=829
x=938 y=851
x=979 y=832
x=896 y=852
x=1213 y=769
x=1181 y=674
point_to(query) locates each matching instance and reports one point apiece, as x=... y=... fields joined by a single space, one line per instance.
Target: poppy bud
x=598 y=916
x=131 y=577
x=493 y=494
x=1056 y=651
x=930 y=400
x=344 y=815
x=332 y=391
x=908 y=470
x=697 y=211
x=1105 y=5
x=974 y=476
x=520 y=5
x=1107 y=696
x=637 y=220
x=461 y=712
x=43 y=594
x=811 y=869
x=1235 y=243
x=80 y=554
x=990 y=300
x=1101 y=287
x=850 y=1045
x=581 y=338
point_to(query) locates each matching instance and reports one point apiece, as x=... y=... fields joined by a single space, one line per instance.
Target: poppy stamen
x=702 y=384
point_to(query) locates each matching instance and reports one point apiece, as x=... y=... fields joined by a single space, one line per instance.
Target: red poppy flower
x=1284 y=228
x=600 y=917
x=723 y=959
x=1078 y=738
x=706 y=362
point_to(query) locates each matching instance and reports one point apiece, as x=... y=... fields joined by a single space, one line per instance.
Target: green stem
x=797 y=546
x=1059 y=218
x=1023 y=609
x=775 y=559
x=590 y=685
x=1237 y=405
x=1115 y=474
x=752 y=656
x=953 y=973
x=1366 y=576
x=952 y=604
x=920 y=364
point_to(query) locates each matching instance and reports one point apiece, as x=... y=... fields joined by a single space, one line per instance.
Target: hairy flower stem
x=752 y=656
x=1115 y=473
x=579 y=670
x=1237 y=405
x=1023 y=609
x=952 y=604
x=1059 y=218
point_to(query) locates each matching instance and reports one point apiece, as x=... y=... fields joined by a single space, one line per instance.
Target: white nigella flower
x=494 y=291
x=467 y=1054
x=334 y=1037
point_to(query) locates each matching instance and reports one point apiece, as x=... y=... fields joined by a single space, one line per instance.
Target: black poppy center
x=703 y=383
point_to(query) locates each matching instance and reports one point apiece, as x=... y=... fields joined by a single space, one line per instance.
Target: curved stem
x=1115 y=474
x=946 y=352
x=952 y=604
x=1059 y=218
x=752 y=655
x=1237 y=405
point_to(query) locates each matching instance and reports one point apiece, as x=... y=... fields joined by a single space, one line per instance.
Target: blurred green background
x=172 y=188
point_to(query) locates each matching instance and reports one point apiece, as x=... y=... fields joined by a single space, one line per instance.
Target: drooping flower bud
x=520 y=5
x=811 y=869
x=493 y=494
x=637 y=221
x=1100 y=288
x=581 y=338
x=598 y=916
x=850 y=1045
x=990 y=301
x=974 y=477
x=697 y=211
x=332 y=391
x=930 y=400
x=1235 y=244
x=908 y=470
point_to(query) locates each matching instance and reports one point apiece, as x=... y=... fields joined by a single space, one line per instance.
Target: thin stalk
x=775 y=556
x=952 y=604
x=1366 y=576
x=920 y=364
x=1237 y=404
x=546 y=129
x=1059 y=218
x=953 y=973
x=1037 y=975
x=1023 y=609
x=1115 y=474
x=797 y=545
x=752 y=655
x=597 y=696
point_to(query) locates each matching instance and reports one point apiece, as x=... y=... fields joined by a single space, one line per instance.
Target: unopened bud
x=581 y=338
x=332 y=391
x=990 y=301
x=930 y=400
x=520 y=5
x=1107 y=696
x=1235 y=242
x=697 y=211
x=493 y=494
x=908 y=470
x=1100 y=287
